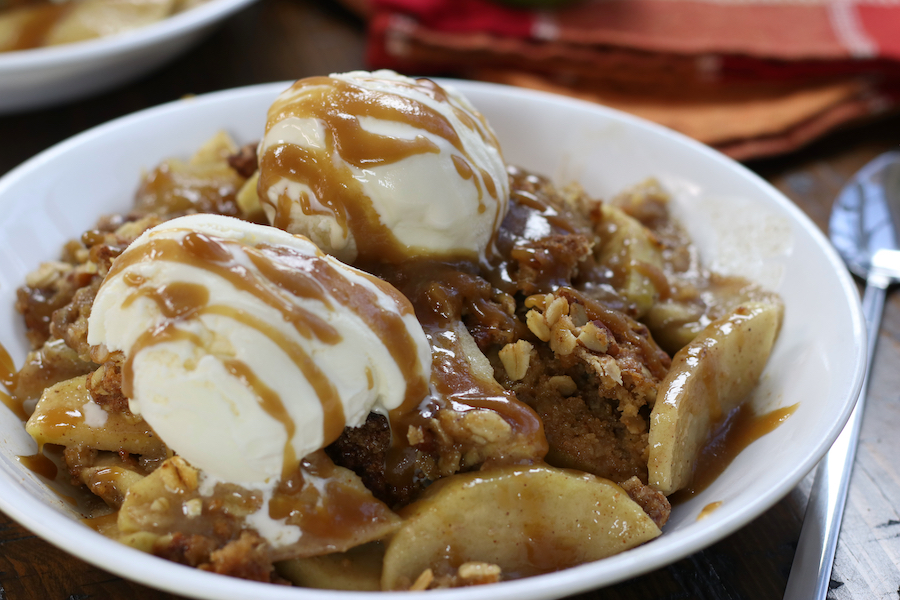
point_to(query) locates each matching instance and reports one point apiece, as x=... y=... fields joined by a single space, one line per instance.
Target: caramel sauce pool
x=741 y=427
x=39 y=465
x=102 y=523
x=42 y=465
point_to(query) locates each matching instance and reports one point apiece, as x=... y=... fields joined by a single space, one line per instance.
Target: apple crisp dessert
x=577 y=369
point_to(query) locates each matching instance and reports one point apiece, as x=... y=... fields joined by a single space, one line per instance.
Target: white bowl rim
x=169 y=28
x=112 y=556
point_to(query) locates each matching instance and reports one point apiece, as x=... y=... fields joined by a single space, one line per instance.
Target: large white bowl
x=741 y=223
x=41 y=77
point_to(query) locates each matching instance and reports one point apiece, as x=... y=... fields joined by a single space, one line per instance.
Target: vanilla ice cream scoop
x=382 y=166
x=246 y=348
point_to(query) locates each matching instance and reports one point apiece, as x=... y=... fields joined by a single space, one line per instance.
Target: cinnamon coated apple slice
x=514 y=521
x=708 y=378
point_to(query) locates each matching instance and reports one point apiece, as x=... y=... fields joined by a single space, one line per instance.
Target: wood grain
x=868 y=555
x=277 y=40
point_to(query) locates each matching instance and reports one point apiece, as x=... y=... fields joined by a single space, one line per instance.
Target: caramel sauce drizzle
x=61 y=418
x=489 y=186
x=42 y=465
x=323 y=504
x=204 y=252
x=531 y=200
x=14 y=404
x=292 y=274
x=332 y=409
x=635 y=332
x=439 y=292
x=293 y=271
x=338 y=105
x=528 y=203
x=272 y=404
x=464 y=170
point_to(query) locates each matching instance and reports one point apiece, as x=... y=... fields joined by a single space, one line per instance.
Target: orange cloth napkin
x=752 y=78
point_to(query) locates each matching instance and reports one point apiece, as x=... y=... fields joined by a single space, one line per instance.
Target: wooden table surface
x=286 y=39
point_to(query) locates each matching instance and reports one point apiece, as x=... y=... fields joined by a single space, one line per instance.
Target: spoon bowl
x=866 y=214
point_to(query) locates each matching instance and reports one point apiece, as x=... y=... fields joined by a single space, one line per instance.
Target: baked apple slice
x=708 y=378
x=515 y=520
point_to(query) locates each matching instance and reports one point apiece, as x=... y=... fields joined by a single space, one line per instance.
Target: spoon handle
x=811 y=570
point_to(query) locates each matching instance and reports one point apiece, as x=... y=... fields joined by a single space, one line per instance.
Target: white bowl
x=41 y=77
x=741 y=223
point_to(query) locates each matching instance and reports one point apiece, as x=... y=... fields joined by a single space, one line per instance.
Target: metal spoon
x=864 y=228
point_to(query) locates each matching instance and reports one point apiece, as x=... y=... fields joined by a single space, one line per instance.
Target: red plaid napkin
x=750 y=77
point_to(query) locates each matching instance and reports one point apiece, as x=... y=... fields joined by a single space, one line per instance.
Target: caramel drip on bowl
x=7 y=369
x=8 y=380
x=743 y=426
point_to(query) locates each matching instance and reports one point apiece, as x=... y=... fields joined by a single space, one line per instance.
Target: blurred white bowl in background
x=47 y=76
